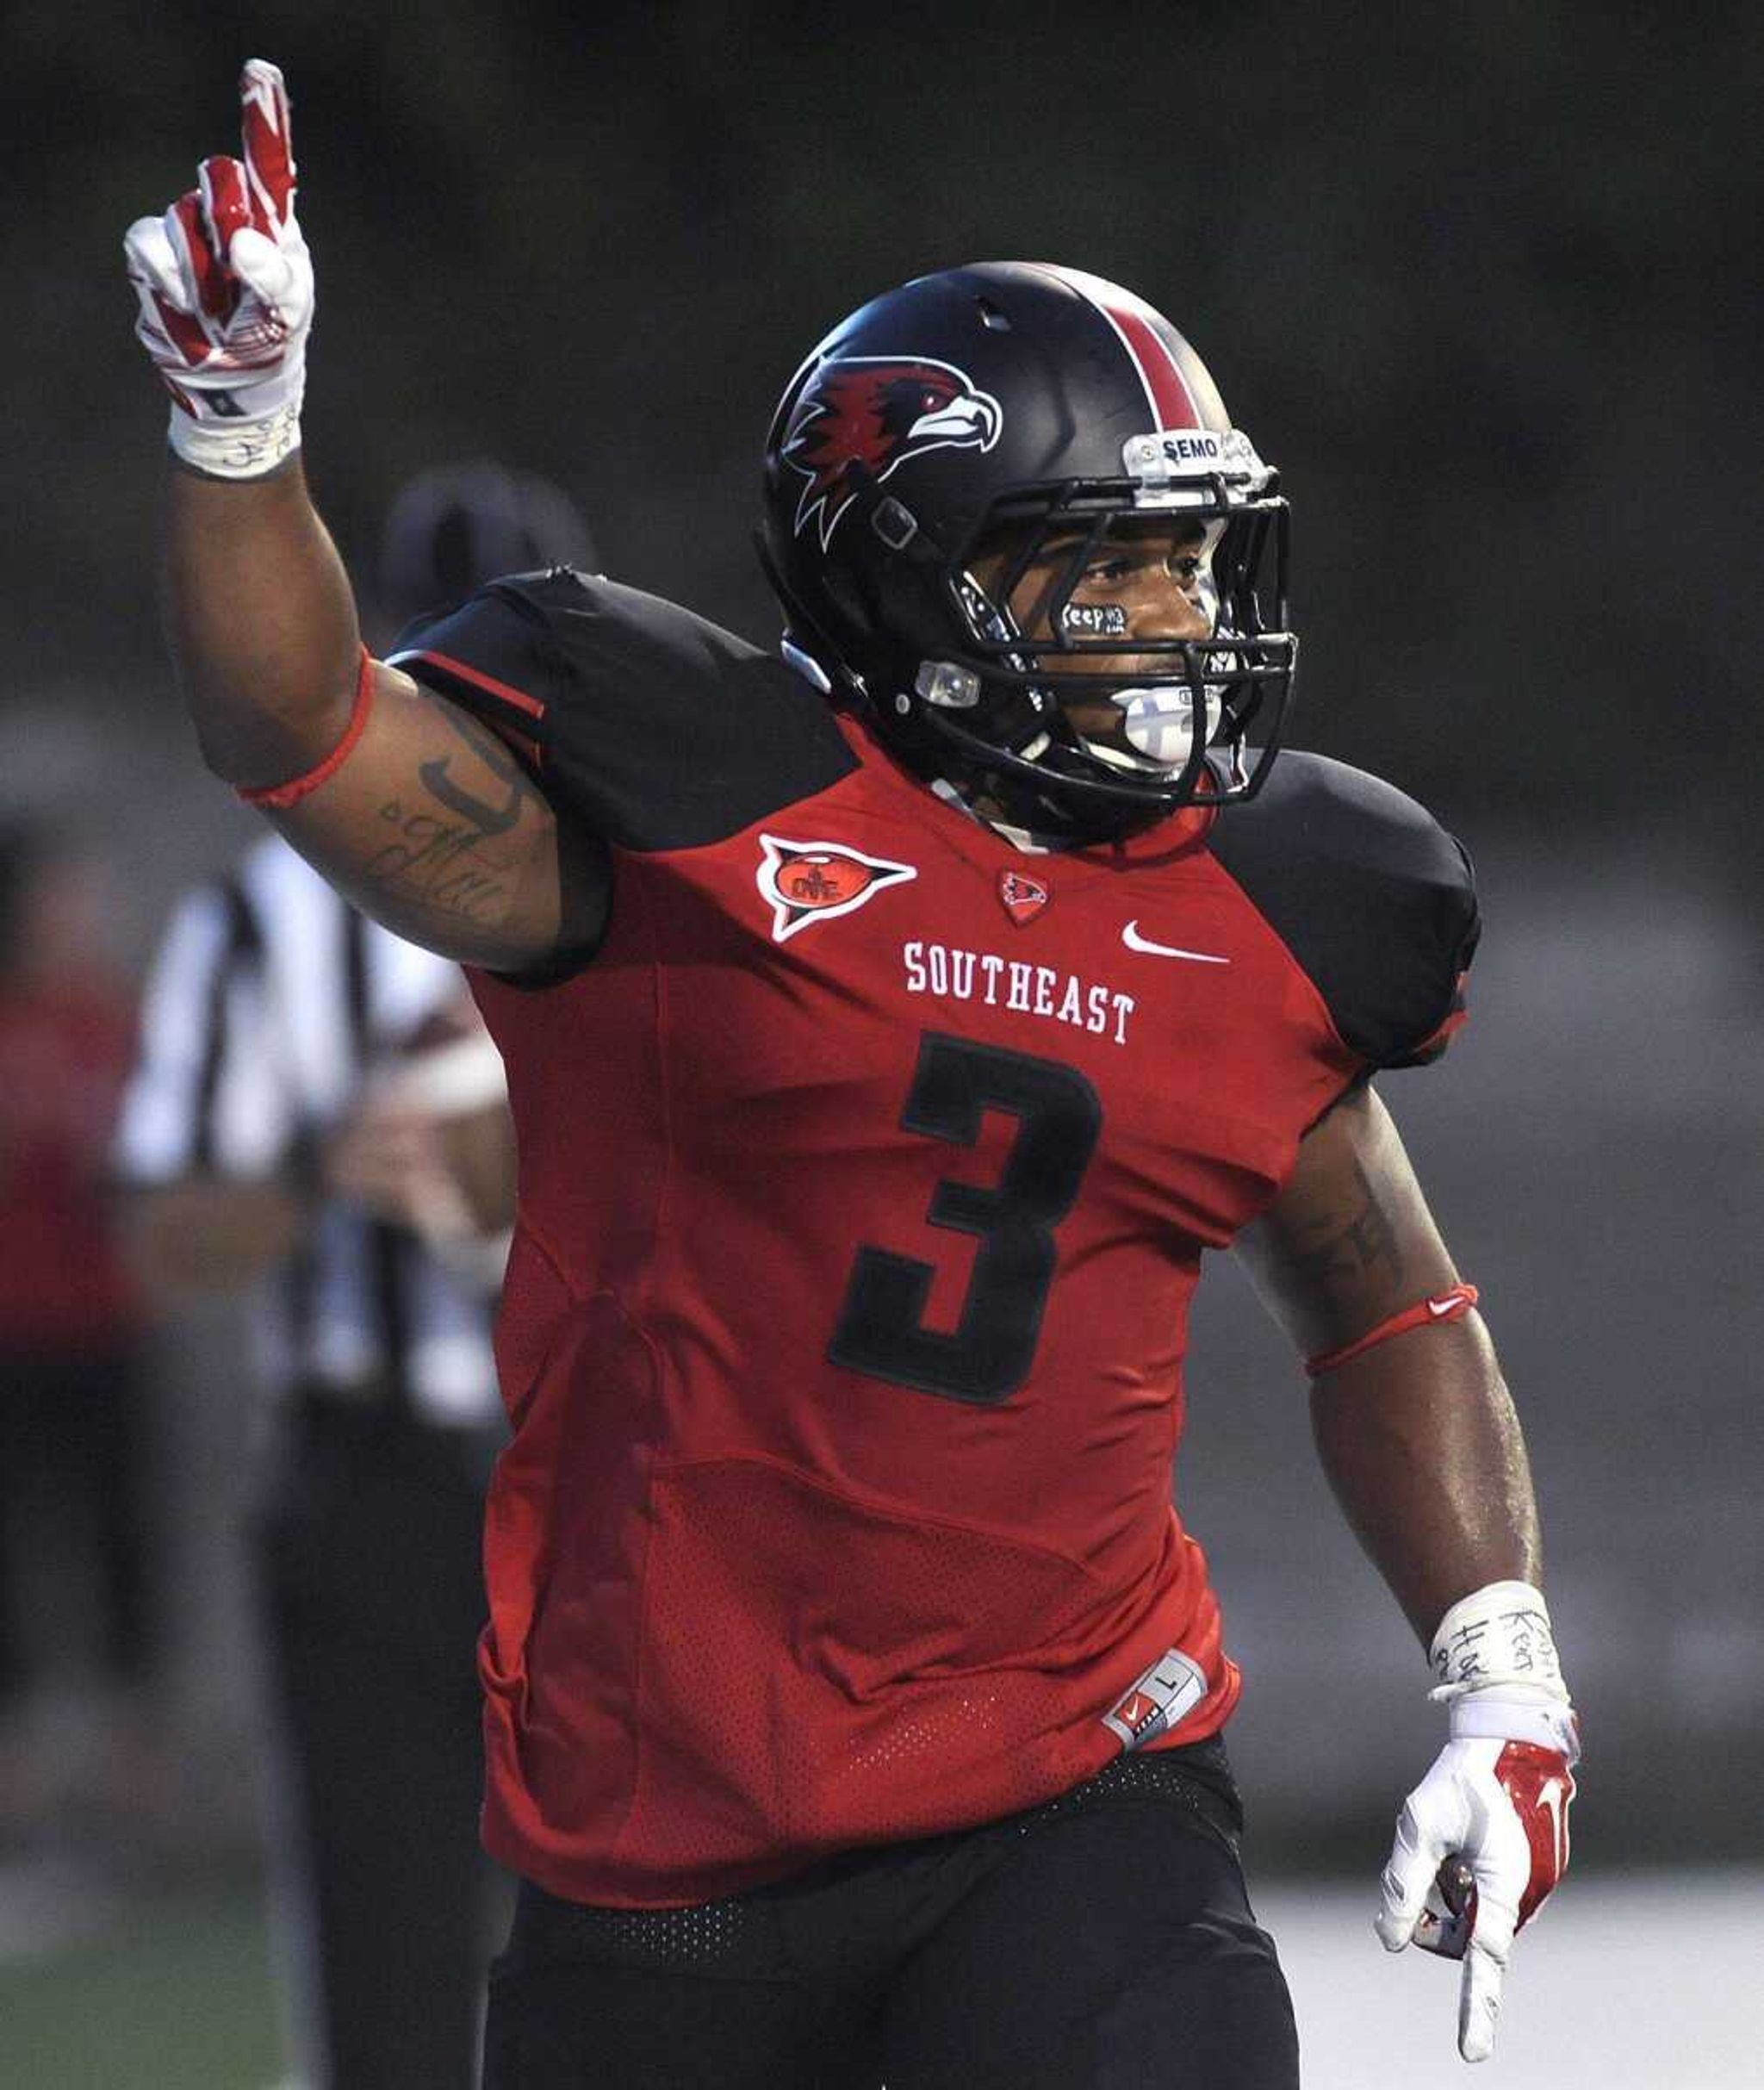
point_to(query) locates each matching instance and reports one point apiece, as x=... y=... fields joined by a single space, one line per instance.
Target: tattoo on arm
x=495 y=757
x=1345 y=1253
x=442 y=862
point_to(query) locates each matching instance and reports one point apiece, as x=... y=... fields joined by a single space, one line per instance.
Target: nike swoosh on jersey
x=1130 y=936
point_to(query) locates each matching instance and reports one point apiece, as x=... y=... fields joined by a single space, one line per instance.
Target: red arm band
x=280 y=796
x=1451 y=1305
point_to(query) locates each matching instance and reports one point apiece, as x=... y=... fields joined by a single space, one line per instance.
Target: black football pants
x=1102 y=1942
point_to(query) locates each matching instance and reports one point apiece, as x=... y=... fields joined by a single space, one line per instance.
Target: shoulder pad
x=658 y=730
x=1375 y=901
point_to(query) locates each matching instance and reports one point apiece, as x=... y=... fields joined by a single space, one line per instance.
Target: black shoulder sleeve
x=658 y=730
x=1372 y=897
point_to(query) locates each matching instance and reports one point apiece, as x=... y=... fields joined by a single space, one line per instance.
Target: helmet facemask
x=987 y=682
x=1085 y=697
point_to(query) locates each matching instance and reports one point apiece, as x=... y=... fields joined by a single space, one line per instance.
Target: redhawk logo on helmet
x=879 y=411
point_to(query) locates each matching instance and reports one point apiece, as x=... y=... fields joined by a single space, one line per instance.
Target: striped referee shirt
x=270 y=1002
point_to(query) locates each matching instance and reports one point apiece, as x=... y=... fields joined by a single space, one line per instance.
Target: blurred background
x=1482 y=281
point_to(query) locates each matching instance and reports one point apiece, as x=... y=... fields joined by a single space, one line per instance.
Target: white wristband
x=237 y=450
x=1498 y=1634
x=1520 y=1712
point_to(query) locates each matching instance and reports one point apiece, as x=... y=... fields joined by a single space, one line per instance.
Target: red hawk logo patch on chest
x=1022 y=896
x=806 y=882
x=879 y=411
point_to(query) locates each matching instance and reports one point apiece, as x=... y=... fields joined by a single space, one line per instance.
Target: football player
x=890 y=1026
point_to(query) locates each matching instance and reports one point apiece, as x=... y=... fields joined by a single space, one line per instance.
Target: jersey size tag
x=1166 y=1694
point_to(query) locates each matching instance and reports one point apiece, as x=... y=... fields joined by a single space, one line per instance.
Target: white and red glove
x=226 y=289
x=1483 y=1838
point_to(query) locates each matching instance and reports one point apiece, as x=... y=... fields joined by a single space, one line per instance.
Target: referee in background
x=316 y=1114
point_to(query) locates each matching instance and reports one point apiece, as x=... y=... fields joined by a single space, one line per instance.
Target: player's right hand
x=226 y=289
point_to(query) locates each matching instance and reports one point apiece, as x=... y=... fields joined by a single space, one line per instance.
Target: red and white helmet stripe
x=1136 y=327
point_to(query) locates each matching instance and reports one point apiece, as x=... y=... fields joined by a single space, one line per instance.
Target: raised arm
x=427 y=822
x=416 y=812
x=1421 y=1442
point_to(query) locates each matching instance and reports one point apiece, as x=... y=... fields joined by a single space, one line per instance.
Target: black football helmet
x=986 y=420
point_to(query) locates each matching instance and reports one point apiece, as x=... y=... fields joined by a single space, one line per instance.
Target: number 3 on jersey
x=881 y=1329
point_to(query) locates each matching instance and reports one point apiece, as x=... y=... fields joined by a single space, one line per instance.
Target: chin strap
x=805 y=664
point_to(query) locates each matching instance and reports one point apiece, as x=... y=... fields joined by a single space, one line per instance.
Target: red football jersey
x=865 y=1176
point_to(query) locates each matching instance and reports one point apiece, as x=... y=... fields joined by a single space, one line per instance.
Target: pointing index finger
x=269 y=147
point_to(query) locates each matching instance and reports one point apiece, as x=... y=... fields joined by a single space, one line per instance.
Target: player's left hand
x=1481 y=1842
